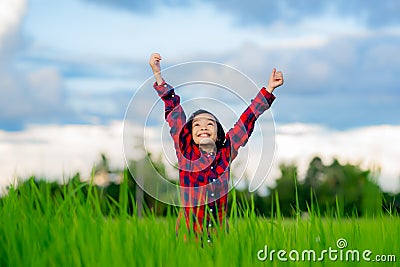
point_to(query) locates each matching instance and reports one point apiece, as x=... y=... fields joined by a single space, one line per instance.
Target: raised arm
x=156 y=67
x=239 y=134
x=174 y=114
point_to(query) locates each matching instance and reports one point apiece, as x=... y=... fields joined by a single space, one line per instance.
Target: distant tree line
x=333 y=190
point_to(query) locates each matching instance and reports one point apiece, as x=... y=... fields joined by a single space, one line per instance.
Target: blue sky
x=340 y=59
x=79 y=62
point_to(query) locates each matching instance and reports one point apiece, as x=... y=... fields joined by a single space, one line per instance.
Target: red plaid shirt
x=204 y=177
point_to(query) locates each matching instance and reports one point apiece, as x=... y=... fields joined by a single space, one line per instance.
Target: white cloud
x=46 y=84
x=373 y=147
x=32 y=95
x=36 y=95
x=319 y=54
x=136 y=35
x=57 y=152
x=314 y=53
x=61 y=151
x=11 y=13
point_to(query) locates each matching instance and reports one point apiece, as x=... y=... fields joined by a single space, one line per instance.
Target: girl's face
x=204 y=128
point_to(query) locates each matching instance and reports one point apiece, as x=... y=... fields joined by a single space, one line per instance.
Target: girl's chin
x=207 y=145
x=205 y=141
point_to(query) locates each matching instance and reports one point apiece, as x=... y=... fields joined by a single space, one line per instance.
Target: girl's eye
x=211 y=124
x=196 y=124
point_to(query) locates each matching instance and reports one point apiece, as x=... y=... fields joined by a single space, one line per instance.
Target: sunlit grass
x=39 y=227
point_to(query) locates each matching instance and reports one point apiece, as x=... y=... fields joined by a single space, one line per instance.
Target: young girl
x=205 y=152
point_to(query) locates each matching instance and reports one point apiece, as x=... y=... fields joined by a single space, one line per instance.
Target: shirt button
x=209 y=225
x=212 y=167
x=214 y=180
x=173 y=95
x=165 y=85
x=211 y=210
x=212 y=194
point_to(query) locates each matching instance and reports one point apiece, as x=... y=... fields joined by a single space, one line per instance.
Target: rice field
x=40 y=228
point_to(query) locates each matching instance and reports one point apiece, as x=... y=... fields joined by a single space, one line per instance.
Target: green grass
x=40 y=228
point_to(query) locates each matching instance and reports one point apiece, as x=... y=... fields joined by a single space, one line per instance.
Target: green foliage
x=45 y=224
x=333 y=190
x=339 y=190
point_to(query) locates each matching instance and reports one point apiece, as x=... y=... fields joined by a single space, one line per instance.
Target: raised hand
x=275 y=80
x=155 y=62
x=155 y=66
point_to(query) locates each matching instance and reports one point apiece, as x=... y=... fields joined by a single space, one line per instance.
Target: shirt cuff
x=267 y=95
x=163 y=89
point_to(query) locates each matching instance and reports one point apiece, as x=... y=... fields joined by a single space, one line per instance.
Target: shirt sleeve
x=239 y=134
x=174 y=114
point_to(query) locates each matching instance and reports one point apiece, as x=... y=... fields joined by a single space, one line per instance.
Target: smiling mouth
x=203 y=135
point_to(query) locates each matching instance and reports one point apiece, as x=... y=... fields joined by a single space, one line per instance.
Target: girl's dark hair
x=220 y=131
